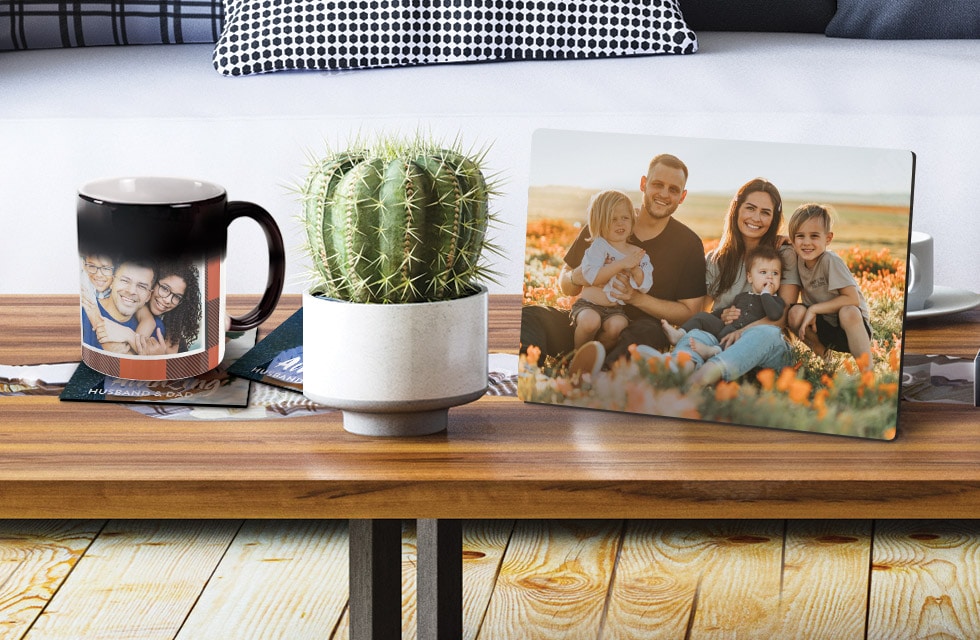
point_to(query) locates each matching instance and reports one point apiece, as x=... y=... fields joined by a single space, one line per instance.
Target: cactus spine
x=397 y=223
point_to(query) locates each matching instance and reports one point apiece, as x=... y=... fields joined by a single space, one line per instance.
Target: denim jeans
x=760 y=346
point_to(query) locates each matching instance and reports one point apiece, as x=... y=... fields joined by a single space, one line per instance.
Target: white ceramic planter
x=395 y=369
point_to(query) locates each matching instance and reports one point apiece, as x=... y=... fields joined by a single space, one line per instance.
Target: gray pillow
x=793 y=16
x=28 y=24
x=905 y=19
x=268 y=35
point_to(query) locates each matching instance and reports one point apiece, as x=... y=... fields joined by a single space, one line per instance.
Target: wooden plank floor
x=240 y=580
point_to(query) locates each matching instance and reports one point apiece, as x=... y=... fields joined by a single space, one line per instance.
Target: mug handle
x=277 y=264
x=913 y=274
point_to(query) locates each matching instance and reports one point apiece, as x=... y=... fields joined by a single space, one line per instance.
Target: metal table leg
x=440 y=580
x=375 y=579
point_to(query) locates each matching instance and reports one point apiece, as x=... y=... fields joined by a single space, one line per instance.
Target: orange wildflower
x=868 y=379
x=767 y=378
x=786 y=378
x=799 y=391
x=683 y=357
x=725 y=391
x=895 y=359
x=888 y=388
x=820 y=403
x=653 y=364
x=850 y=367
x=863 y=362
x=827 y=381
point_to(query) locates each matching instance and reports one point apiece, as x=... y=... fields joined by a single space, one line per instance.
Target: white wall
x=67 y=117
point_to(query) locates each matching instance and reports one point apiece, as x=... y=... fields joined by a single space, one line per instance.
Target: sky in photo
x=617 y=161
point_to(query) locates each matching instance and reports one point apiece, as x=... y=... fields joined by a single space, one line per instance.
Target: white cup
x=920 y=283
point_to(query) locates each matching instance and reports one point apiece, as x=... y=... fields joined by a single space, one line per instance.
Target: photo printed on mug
x=151 y=253
x=142 y=307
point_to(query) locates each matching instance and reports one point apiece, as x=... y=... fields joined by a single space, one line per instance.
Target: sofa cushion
x=45 y=25
x=906 y=19
x=794 y=16
x=265 y=35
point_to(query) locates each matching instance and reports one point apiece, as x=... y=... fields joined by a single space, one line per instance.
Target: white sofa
x=72 y=115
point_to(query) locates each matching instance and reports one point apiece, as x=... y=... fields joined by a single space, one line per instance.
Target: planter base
x=395 y=370
x=398 y=419
x=408 y=424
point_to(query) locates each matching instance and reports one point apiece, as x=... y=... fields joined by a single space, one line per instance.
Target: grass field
x=868 y=226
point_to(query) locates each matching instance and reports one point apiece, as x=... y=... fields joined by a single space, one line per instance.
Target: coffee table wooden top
x=501 y=458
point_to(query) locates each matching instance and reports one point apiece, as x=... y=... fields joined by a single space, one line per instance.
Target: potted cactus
x=395 y=322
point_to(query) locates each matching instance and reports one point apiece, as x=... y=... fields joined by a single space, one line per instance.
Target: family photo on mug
x=151 y=259
x=743 y=282
x=141 y=307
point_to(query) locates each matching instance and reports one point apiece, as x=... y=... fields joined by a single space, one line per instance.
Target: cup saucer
x=946 y=300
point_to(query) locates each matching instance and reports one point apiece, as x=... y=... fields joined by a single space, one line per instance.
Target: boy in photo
x=97 y=274
x=833 y=314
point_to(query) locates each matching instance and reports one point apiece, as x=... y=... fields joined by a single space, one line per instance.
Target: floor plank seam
x=204 y=587
x=345 y=610
x=496 y=579
x=694 y=608
x=871 y=577
x=54 y=594
x=612 y=580
x=782 y=565
x=340 y=619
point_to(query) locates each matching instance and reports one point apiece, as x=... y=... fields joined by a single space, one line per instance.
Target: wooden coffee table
x=501 y=458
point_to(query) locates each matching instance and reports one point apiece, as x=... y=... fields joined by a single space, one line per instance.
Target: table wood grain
x=500 y=458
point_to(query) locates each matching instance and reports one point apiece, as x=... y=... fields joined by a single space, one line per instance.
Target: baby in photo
x=598 y=312
x=833 y=314
x=763 y=275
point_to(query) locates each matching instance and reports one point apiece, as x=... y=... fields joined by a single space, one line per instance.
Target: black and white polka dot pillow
x=260 y=36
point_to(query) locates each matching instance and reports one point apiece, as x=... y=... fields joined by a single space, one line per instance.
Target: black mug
x=152 y=255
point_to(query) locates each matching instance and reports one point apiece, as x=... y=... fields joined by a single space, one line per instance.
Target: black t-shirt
x=677 y=255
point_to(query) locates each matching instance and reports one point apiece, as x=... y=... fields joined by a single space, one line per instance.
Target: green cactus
x=397 y=222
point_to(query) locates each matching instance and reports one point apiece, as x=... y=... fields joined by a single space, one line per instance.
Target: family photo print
x=749 y=283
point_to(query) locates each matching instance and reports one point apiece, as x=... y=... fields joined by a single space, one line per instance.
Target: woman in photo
x=176 y=303
x=753 y=219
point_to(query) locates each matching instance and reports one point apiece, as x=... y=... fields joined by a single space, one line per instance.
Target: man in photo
x=677 y=256
x=132 y=284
